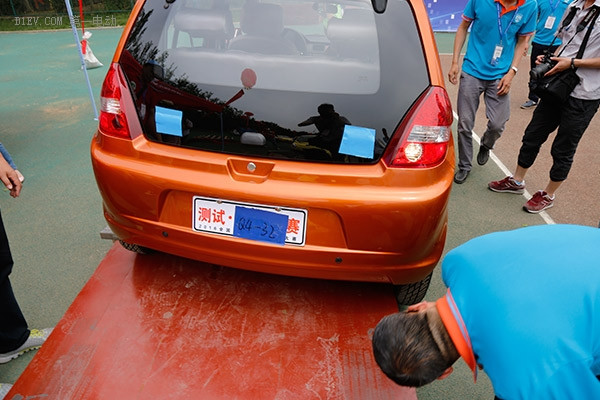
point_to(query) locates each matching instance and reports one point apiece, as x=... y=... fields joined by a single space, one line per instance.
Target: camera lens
x=540 y=70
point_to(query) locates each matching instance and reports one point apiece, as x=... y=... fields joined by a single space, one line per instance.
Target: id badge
x=497 y=54
x=550 y=22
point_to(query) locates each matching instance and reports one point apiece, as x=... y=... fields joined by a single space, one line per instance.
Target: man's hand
x=504 y=84
x=453 y=74
x=9 y=178
x=419 y=307
x=562 y=64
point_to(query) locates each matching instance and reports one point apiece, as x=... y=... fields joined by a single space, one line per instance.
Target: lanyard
x=553 y=6
x=500 y=21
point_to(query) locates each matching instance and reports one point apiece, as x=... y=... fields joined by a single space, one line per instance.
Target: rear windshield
x=303 y=80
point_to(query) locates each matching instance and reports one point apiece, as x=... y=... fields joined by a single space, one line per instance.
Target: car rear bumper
x=363 y=233
x=306 y=261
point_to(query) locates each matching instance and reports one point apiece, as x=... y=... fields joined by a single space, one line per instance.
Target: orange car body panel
x=365 y=222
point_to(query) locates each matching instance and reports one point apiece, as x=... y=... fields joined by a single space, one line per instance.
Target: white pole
x=78 y=43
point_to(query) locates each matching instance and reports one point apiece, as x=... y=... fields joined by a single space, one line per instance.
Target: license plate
x=271 y=224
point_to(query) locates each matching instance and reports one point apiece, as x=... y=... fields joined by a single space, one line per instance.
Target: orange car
x=305 y=138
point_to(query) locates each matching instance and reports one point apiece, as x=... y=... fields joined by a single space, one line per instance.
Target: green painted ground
x=46 y=122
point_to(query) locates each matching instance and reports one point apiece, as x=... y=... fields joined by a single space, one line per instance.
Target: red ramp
x=162 y=327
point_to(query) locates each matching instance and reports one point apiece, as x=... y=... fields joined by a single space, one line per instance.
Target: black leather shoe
x=461 y=175
x=483 y=156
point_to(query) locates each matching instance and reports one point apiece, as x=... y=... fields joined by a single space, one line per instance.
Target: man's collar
x=457 y=330
x=506 y=9
x=581 y=3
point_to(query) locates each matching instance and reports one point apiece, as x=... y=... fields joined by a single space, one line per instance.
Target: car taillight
x=112 y=119
x=428 y=125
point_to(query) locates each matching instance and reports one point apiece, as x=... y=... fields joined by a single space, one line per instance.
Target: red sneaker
x=539 y=202
x=507 y=185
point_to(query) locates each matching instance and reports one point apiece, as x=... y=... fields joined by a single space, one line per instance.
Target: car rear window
x=302 y=80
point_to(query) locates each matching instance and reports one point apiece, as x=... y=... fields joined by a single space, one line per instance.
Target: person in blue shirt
x=531 y=320
x=500 y=31
x=550 y=13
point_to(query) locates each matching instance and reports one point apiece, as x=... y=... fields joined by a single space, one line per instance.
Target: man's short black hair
x=406 y=350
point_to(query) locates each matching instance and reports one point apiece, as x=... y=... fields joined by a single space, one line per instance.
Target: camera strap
x=569 y=18
x=589 y=19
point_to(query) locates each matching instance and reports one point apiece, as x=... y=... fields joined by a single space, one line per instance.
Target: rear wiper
x=379 y=5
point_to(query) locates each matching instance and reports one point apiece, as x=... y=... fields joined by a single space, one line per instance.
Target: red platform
x=162 y=327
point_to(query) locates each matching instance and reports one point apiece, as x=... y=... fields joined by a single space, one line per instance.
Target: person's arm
x=586 y=62
x=7 y=156
x=505 y=82
x=307 y=122
x=9 y=178
x=563 y=63
x=459 y=42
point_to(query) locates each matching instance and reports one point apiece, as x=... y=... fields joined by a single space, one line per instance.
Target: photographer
x=500 y=31
x=571 y=116
x=549 y=15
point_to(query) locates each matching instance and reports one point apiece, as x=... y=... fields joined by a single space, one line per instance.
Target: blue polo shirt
x=530 y=301
x=485 y=35
x=544 y=32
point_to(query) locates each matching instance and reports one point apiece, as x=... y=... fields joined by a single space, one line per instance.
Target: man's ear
x=446 y=373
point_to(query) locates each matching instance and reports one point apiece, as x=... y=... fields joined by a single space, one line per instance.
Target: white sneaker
x=4 y=389
x=36 y=339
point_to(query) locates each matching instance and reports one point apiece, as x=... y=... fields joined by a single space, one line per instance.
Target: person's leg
x=576 y=117
x=469 y=92
x=497 y=111
x=544 y=121
x=13 y=327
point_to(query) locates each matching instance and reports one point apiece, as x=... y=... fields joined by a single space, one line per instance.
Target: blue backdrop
x=445 y=15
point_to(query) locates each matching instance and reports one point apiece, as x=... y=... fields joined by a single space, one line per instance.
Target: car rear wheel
x=136 y=248
x=411 y=293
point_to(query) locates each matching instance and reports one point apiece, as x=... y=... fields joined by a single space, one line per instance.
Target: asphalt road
x=54 y=227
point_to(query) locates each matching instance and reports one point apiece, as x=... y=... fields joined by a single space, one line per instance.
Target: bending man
x=531 y=321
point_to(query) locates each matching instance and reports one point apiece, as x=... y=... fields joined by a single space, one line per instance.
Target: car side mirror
x=158 y=72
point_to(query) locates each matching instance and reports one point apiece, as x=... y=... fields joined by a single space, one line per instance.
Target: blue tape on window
x=168 y=121
x=358 y=141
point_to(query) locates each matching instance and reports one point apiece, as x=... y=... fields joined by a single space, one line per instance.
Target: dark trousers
x=13 y=327
x=537 y=50
x=571 y=118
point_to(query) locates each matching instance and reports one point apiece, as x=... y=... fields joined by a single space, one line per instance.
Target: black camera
x=537 y=73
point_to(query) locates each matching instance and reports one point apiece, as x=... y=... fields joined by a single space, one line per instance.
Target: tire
x=136 y=248
x=411 y=293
